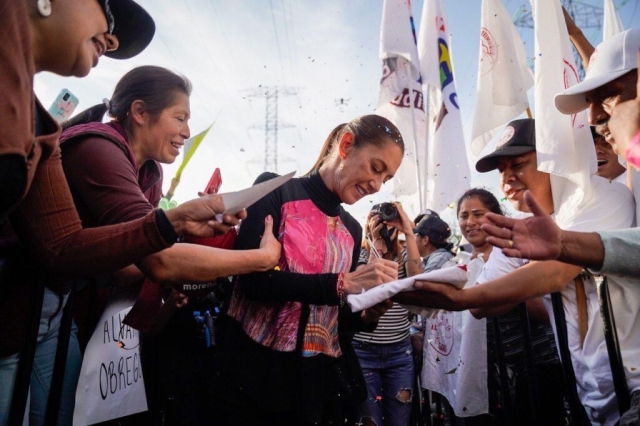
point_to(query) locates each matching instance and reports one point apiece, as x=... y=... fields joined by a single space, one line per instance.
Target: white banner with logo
x=448 y=174
x=111 y=384
x=455 y=356
x=400 y=99
x=503 y=75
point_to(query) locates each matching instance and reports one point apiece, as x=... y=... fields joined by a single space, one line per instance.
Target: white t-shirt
x=621 y=179
x=498 y=266
x=610 y=207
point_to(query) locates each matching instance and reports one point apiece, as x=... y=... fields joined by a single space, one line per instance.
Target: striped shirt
x=394 y=325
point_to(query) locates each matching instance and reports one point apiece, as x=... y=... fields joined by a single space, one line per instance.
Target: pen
x=373 y=248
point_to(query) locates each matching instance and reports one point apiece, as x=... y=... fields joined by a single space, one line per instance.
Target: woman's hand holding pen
x=377 y=271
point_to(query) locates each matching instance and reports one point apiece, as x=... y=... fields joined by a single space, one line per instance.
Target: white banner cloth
x=111 y=384
x=448 y=174
x=456 y=276
x=503 y=75
x=400 y=99
x=563 y=142
x=611 y=24
x=455 y=355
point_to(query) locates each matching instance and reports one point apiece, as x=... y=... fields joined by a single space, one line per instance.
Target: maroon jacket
x=45 y=220
x=103 y=175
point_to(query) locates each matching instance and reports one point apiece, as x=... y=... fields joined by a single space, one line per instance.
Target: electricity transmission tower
x=271 y=94
x=586 y=16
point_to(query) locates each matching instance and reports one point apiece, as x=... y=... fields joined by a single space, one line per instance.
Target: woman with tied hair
x=38 y=219
x=289 y=330
x=114 y=173
x=472 y=207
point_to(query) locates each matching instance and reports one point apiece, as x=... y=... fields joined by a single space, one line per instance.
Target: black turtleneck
x=277 y=286
x=268 y=381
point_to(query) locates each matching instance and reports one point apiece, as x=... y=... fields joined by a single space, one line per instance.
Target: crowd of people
x=79 y=220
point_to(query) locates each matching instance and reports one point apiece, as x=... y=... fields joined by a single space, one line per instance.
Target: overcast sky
x=325 y=55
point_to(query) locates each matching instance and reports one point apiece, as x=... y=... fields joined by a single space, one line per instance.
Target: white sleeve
x=498 y=265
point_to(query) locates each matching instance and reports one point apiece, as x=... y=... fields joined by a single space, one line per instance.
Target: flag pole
x=426 y=140
x=529 y=115
x=415 y=137
x=174 y=184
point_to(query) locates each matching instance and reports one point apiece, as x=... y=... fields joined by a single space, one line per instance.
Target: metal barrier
x=577 y=412
x=613 y=346
x=60 y=363
x=27 y=355
x=532 y=377
x=502 y=368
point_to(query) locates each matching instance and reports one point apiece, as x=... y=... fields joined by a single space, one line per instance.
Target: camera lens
x=66 y=97
x=388 y=212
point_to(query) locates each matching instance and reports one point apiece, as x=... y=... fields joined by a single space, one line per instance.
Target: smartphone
x=63 y=106
x=214 y=183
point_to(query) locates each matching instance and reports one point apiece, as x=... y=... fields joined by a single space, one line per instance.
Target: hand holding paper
x=454 y=277
x=239 y=200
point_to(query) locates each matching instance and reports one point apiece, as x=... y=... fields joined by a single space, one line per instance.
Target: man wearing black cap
x=516 y=160
x=432 y=234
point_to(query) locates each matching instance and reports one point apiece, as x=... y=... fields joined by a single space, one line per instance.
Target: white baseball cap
x=612 y=58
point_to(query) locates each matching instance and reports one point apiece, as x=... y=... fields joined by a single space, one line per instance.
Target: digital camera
x=387 y=212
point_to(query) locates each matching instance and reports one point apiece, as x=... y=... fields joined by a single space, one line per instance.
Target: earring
x=44 y=8
x=141 y=122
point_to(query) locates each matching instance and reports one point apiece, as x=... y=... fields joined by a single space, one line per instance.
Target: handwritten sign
x=111 y=383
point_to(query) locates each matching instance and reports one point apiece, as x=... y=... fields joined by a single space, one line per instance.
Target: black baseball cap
x=519 y=137
x=423 y=213
x=133 y=26
x=433 y=227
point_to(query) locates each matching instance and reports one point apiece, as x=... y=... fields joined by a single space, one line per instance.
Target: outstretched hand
x=269 y=245
x=536 y=238
x=198 y=217
x=374 y=313
x=433 y=295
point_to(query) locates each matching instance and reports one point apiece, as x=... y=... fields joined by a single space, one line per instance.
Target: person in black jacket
x=286 y=357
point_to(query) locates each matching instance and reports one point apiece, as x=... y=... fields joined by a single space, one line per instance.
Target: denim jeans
x=43 y=368
x=388 y=371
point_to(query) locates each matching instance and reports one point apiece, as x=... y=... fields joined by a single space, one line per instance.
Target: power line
x=272 y=124
x=275 y=29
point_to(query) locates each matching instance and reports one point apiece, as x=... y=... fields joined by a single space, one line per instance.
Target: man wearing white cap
x=515 y=159
x=611 y=82
x=609 y=89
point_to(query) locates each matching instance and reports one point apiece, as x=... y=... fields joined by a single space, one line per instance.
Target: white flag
x=563 y=142
x=611 y=24
x=400 y=99
x=503 y=75
x=447 y=166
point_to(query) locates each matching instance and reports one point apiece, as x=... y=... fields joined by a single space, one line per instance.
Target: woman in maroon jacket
x=114 y=173
x=37 y=215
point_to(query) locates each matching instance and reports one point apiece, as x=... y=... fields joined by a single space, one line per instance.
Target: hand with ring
x=536 y=237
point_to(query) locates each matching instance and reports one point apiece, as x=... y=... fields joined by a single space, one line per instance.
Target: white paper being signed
x=236 y=201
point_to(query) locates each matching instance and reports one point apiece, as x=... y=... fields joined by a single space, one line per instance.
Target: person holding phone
x=39 y=223
x=115 y=175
